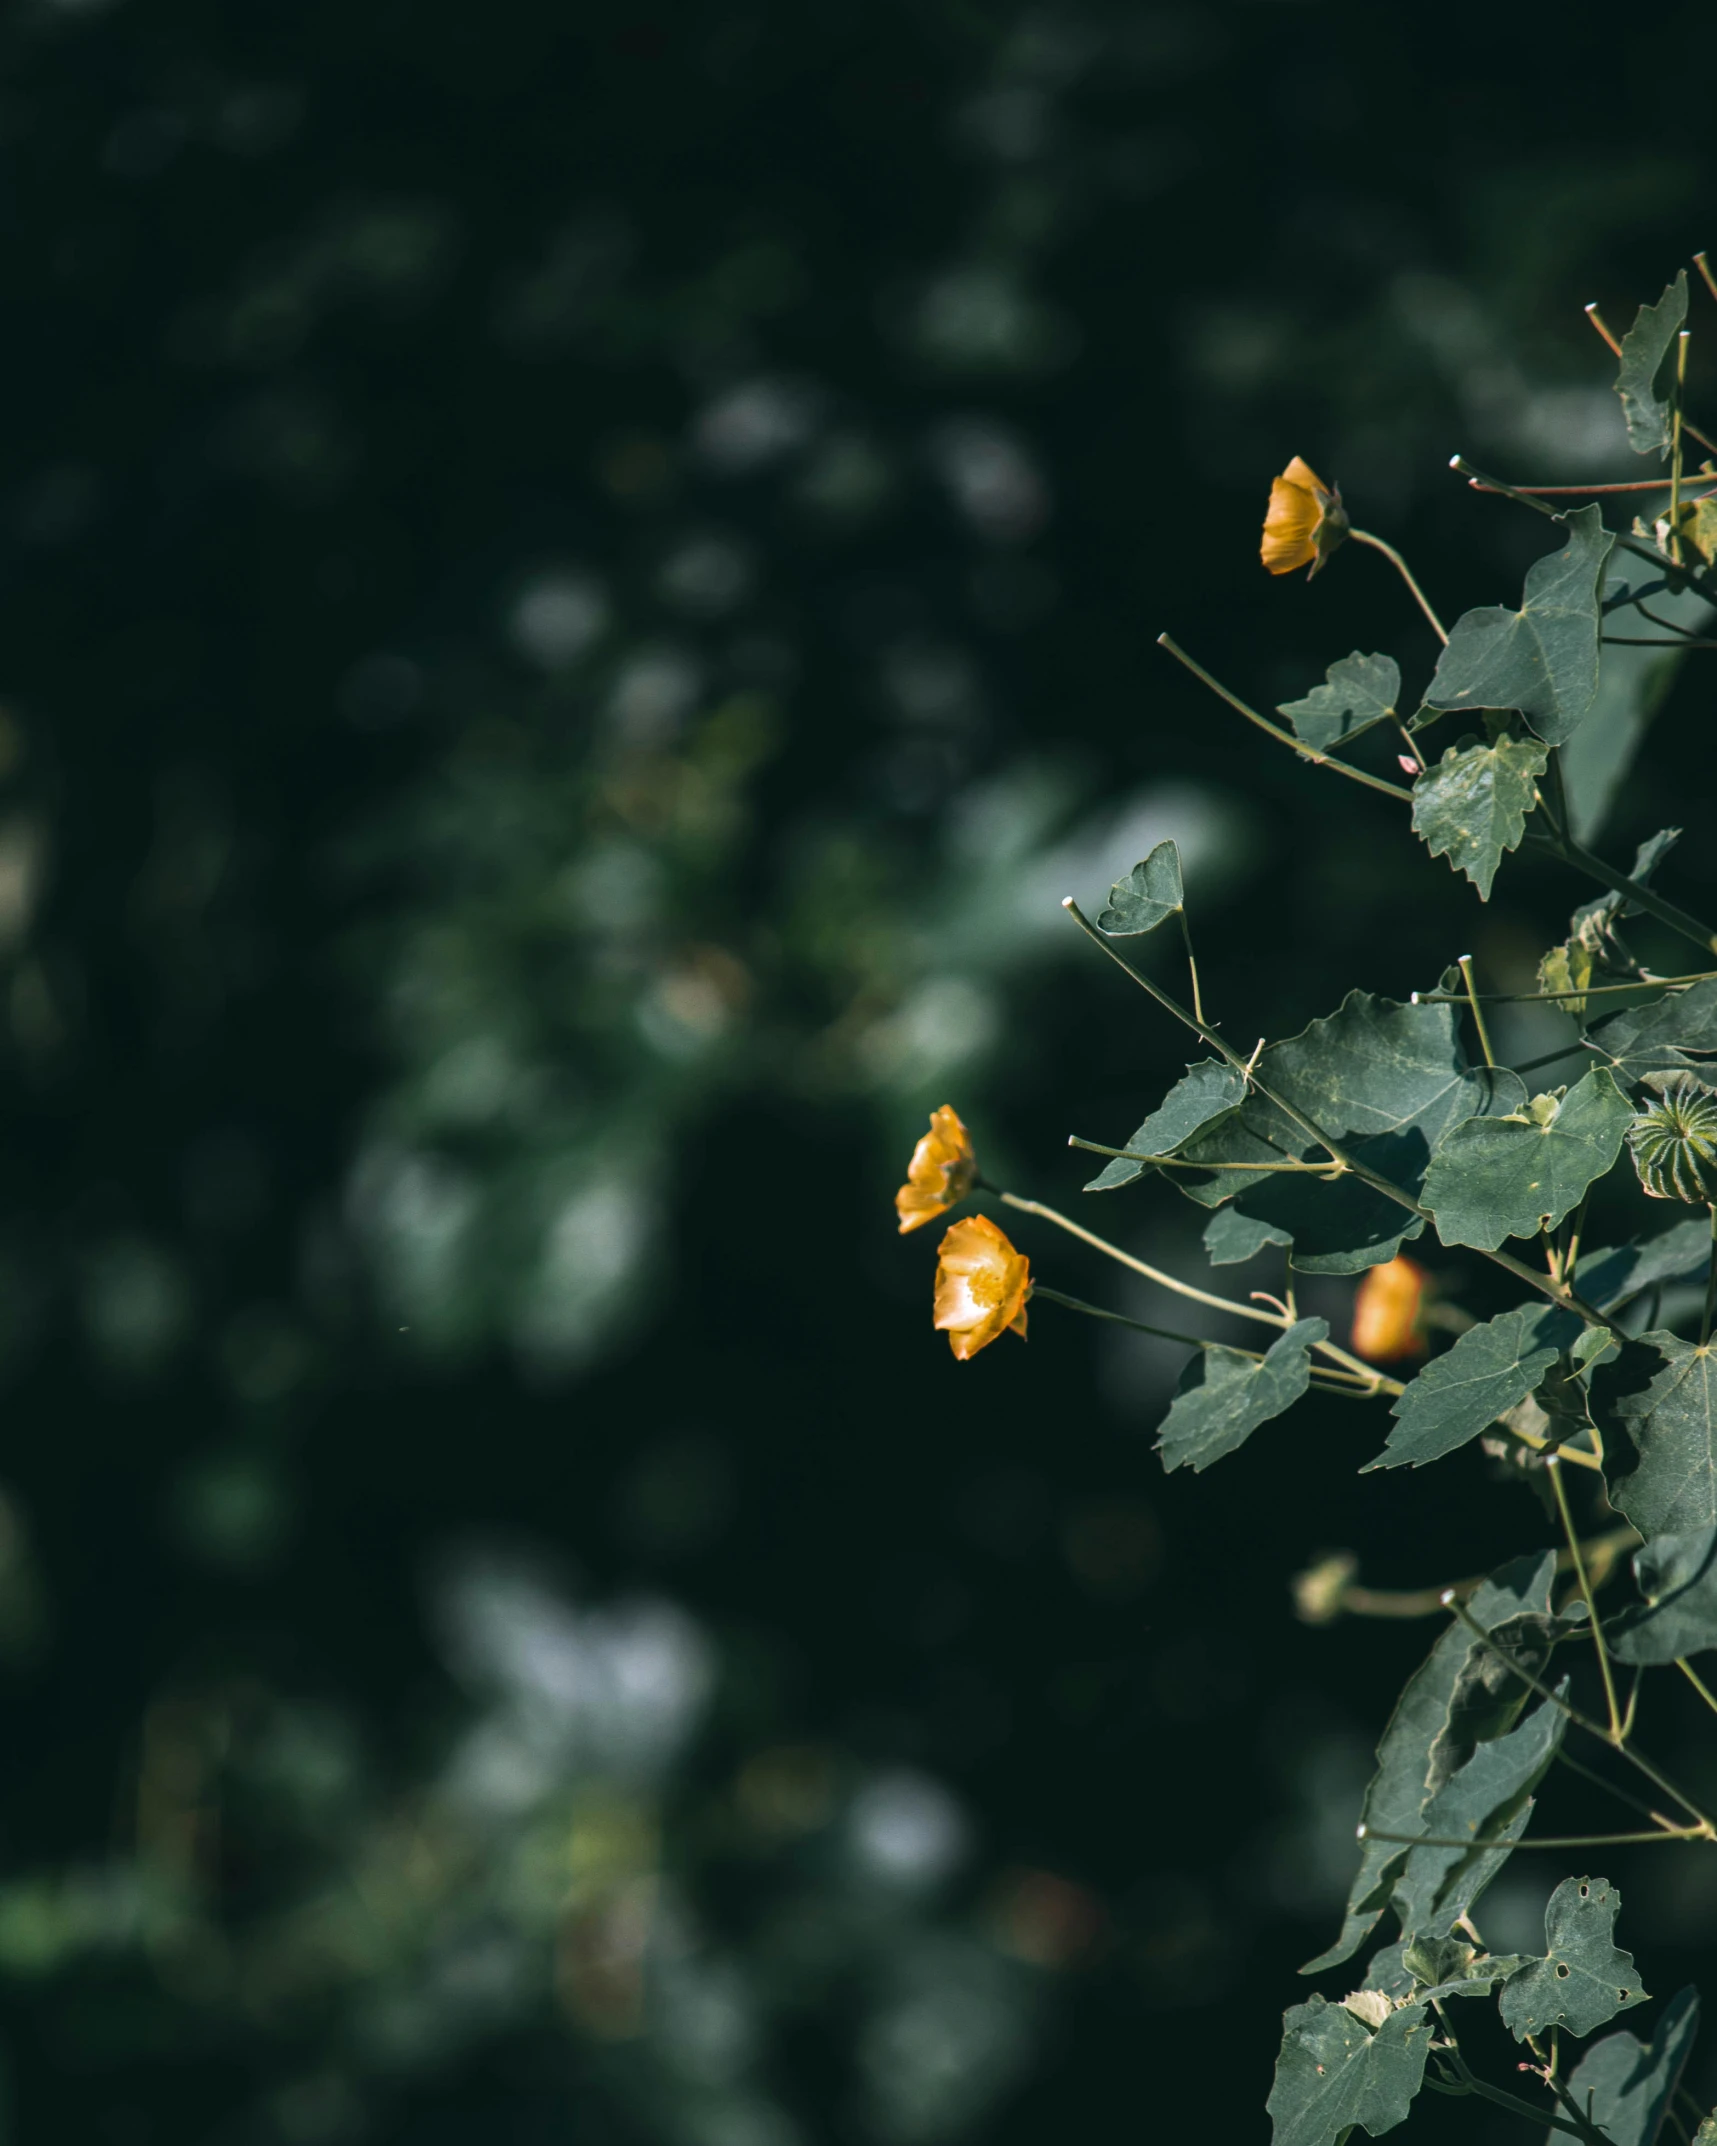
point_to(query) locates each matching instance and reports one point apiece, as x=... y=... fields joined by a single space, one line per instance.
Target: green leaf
x=1656 y=1407
x=1151 y=892
x=1543 y=658
x=1658 y=1038
x=1358 y=692
x=1645 y=346
x=1334 y=2073
x=1616 y=1276
x=1224 y=1396
x=1474 y=803
x=1677 y=1575
x=1460 y=1394
x=1493 y=1178
x=1582 y=1979
x=1628 y=2085
x=1488 y=1800
x=1493 y=1684
x=1208 y=1091
x=1399 y=1789
x=1385 y=1079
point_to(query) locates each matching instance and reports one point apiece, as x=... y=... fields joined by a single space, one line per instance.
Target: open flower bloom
x=940 y=1173
x=1386 y=1312
x=1305 y=521
x=981 y=1286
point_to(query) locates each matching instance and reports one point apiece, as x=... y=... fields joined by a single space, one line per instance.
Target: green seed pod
x=1674 y=1144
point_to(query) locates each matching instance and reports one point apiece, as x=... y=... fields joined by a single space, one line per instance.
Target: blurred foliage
x=572 y=592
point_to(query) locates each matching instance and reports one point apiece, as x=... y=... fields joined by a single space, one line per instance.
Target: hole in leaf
x=1561 y=1970
x=1623 y=1995
x=1584 y=1890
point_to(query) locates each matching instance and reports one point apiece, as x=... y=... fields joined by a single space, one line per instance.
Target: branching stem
x=1553 y=1469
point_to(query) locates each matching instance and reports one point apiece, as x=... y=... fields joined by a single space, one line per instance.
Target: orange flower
x=1305 y=522
x=981 y=1286
x=940 y=1173
x=1386 y=1309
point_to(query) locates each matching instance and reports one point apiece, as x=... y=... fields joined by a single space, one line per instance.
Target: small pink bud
x=1407 y=764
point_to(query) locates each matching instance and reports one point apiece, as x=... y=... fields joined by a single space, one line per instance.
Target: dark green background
x=866 y=387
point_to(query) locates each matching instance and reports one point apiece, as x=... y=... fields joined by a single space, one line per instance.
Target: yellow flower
x=940 y=1173
x=981 y=1286
x=1305 y=521
x=1386 y=1312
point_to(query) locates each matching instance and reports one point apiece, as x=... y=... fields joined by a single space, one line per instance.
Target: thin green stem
x=1378 y=1183
x=1375 y=1380
x=1698 y=1684
x=1274 y=730
x=1553 y=1470
x=1480 y=482
x=1557 y=1840
x=1538 y=998
x=1466 y=968
x=1676 y=547
x=1634 y=1803
x=1582 y=859
x=1139 y=1326
x=1582 y=1720
x=1182 y=1162
x=1191 y=961
x=1704 y=268
x=1376 y=543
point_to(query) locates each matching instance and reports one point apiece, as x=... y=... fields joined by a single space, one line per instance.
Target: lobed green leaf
x=1207 y=1093
x=1543 y=658
x=1489 y=1800
x=1224 y=1396
x=1150 y=893
x=1677 y=1575
x=1473 y=804
x=1333 y=2072
x=1493 y=1178
x=1357 y=692
x=1459 y=1394
x=1583 y=1979
x=1665 y=1037
x=1400 y=1787
x=1645 y=346
x=1656 y=1404
x=1617 y=1275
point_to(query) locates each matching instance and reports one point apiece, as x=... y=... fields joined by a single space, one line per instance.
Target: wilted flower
x=1305 y=521
x=940 y=1173
x=1387 y=1305
x=1674 y=1143
x=981 y=1286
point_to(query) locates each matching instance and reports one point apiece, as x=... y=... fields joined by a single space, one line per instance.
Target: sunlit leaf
x=1224 y=1396
x=1645 y=346
x=1677 y=1575
x=1357 y=692
x=1657 y=1406
x=1462 y=1393
x=1151 y=892
x=1399 y=1789
x=1543 y=658
x=1626 y=2085
x=1489 y=1800
x=1493 y=1178
x=1473 y=803
x=1582 y=1980
x=1334 y=2072
x=1207 y=1092
x=1665 y=1037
